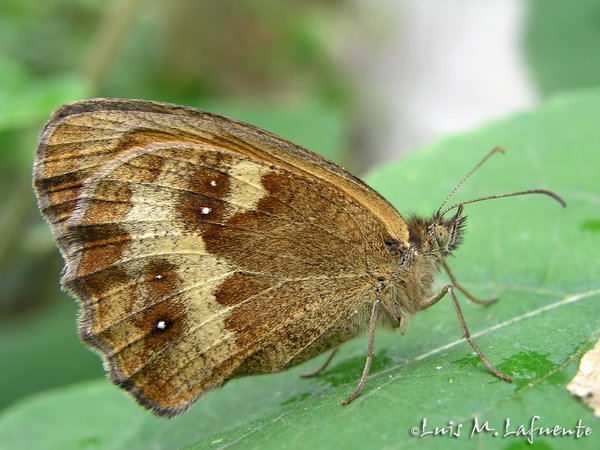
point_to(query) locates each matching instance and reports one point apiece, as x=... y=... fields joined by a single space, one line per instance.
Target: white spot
x=204 y=210
x=438 y=367
x=161 y=325
x=213 y=183
x=157 y=277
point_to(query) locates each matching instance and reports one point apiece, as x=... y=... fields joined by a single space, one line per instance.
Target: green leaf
x=562 y=43
x=539 y=259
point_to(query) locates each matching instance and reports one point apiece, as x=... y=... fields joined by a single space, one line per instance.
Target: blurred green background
x=271 y=63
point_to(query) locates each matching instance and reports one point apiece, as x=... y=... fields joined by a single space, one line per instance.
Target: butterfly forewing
x=201 y=248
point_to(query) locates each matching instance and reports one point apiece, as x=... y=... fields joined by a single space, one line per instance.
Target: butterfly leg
x=466 y=293
x=463 y=324
x=323 y=366
x=365 y=374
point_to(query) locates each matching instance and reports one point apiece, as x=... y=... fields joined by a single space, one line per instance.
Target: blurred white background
x=428 y=68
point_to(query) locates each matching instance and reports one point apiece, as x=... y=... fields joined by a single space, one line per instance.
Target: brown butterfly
x=203 y=249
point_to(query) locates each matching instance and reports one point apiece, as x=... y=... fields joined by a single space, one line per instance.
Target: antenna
x=461 y=182
x=491 y=197
x=510 y=194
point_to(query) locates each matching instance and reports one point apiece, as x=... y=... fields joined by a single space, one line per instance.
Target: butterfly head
x=446 y=234
x=437 y=236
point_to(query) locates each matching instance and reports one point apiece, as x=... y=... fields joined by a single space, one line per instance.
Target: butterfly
x=202 y=249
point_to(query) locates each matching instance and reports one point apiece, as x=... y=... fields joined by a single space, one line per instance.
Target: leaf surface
x=542 y=262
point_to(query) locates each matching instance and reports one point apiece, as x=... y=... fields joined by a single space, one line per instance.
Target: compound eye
x=442 y=236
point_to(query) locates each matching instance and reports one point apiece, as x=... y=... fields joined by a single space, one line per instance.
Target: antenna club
x=555 y=196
